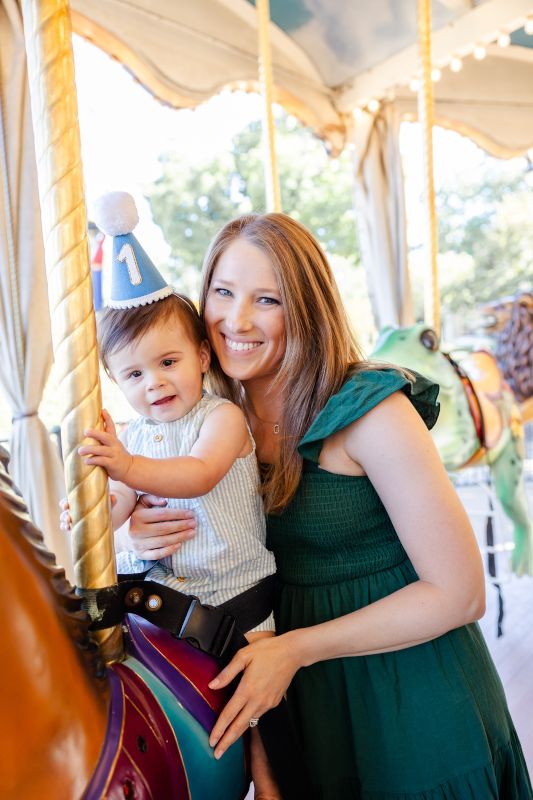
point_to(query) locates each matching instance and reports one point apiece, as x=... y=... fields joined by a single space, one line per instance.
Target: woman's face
x=243 y=314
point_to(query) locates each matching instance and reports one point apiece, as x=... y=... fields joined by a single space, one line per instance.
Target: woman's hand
x=268 y=667
x=156 y=531
x=65 y=520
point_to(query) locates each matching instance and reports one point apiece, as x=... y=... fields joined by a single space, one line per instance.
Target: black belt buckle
x=207 y=627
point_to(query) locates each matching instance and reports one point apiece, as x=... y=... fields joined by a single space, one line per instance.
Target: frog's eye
x=429 y=339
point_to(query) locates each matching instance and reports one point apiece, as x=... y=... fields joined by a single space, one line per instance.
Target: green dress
x=426 y=723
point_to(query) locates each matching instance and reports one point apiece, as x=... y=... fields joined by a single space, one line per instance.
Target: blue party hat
x=134 y=280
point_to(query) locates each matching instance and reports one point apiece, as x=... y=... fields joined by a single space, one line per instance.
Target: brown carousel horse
x=71 y=727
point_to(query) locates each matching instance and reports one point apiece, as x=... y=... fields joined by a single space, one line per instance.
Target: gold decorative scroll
x=273 y=200
x=425 y=115
x=57 y=144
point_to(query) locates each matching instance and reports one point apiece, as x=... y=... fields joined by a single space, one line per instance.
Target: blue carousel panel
x=205 y=774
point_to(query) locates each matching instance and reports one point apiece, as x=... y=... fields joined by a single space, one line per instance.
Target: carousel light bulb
x=504 y=40
x=528 y=27
x=373 y=105
x=414 y=84
x=436 y=74
x=357 y=113
x=480 y=51
x=456 y=64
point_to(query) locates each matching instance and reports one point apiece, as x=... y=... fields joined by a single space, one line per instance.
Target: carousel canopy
x=330 y=57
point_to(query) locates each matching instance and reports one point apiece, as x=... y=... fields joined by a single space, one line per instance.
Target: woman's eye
x=222 y=292
x=269 y=301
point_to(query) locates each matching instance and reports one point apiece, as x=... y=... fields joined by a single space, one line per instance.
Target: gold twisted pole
x=425 y=116
x=54 y=106
x=273 y=200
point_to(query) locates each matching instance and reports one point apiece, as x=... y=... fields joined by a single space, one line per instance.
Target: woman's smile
x=240 y=346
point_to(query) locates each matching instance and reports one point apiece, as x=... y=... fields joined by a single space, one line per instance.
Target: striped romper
x=228 y=553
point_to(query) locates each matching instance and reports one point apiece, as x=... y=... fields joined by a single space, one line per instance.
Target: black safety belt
x=218 y=631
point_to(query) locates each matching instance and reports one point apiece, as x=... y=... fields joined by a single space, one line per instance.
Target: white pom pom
x=115 y=213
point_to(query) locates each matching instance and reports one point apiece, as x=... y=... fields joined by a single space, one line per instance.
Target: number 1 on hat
x=127 y=254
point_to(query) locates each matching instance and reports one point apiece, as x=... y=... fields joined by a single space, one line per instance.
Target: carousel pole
x=425 y=116
x=273 y=200
x=54 y=106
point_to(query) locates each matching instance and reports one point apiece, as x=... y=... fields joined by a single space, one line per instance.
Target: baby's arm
x=125 y=500
x=223 y=438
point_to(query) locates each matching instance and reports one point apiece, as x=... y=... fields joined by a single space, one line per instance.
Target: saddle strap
x=474 y=405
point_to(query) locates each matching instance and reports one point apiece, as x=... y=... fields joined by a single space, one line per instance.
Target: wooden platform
x=512 y=652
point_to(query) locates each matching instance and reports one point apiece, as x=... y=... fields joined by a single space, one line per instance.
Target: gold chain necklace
x=275 y=425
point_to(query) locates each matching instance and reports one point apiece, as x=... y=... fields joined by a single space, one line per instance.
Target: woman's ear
x=205 y=355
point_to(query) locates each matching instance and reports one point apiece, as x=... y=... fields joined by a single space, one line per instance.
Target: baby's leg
x=265 y=786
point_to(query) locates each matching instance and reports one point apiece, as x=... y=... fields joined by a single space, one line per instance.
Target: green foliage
x=490 y=221
x=191 y=202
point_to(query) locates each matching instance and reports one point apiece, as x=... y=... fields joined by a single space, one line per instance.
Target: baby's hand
x=109 y=453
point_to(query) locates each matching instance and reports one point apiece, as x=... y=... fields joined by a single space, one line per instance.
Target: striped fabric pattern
x=228 y=553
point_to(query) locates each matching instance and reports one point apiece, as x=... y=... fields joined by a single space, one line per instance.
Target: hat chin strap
x=143 y=300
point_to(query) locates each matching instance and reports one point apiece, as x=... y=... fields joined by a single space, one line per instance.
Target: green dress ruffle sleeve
x=429 y=722
x=360 y=393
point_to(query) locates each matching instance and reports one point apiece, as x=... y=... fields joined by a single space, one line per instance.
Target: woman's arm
x=223 y=438
x=395 y=450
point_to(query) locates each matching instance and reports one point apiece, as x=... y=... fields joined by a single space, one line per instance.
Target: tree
x=191 y=202
x=490 y=221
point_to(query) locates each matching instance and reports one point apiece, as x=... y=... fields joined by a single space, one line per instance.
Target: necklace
x=275 y=425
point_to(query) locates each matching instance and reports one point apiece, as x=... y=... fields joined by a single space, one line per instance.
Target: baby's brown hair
x=118 y=327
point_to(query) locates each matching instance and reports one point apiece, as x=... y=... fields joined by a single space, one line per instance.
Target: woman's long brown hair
x=321 y=348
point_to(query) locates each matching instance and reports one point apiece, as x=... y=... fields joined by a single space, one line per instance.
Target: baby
x=186 y=445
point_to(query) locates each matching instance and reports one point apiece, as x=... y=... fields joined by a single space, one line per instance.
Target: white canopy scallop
x=329 y=56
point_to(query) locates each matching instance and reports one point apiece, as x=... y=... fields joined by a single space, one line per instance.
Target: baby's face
x=161 y=373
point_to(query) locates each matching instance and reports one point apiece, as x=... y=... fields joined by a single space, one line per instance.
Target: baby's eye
x=135 y=373
x=168 y=362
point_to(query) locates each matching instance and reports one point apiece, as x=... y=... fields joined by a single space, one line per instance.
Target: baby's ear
x=205 y=355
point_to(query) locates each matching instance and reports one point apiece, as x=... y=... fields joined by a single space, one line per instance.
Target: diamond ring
x=253 y=722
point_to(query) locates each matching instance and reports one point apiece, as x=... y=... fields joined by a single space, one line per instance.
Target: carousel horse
x=74 y=728
x=479 y=421
x=510 y=321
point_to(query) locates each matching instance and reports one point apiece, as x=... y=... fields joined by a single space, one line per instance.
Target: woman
x=389 y=683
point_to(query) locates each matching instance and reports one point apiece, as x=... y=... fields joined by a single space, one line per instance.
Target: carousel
x=119 y=706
